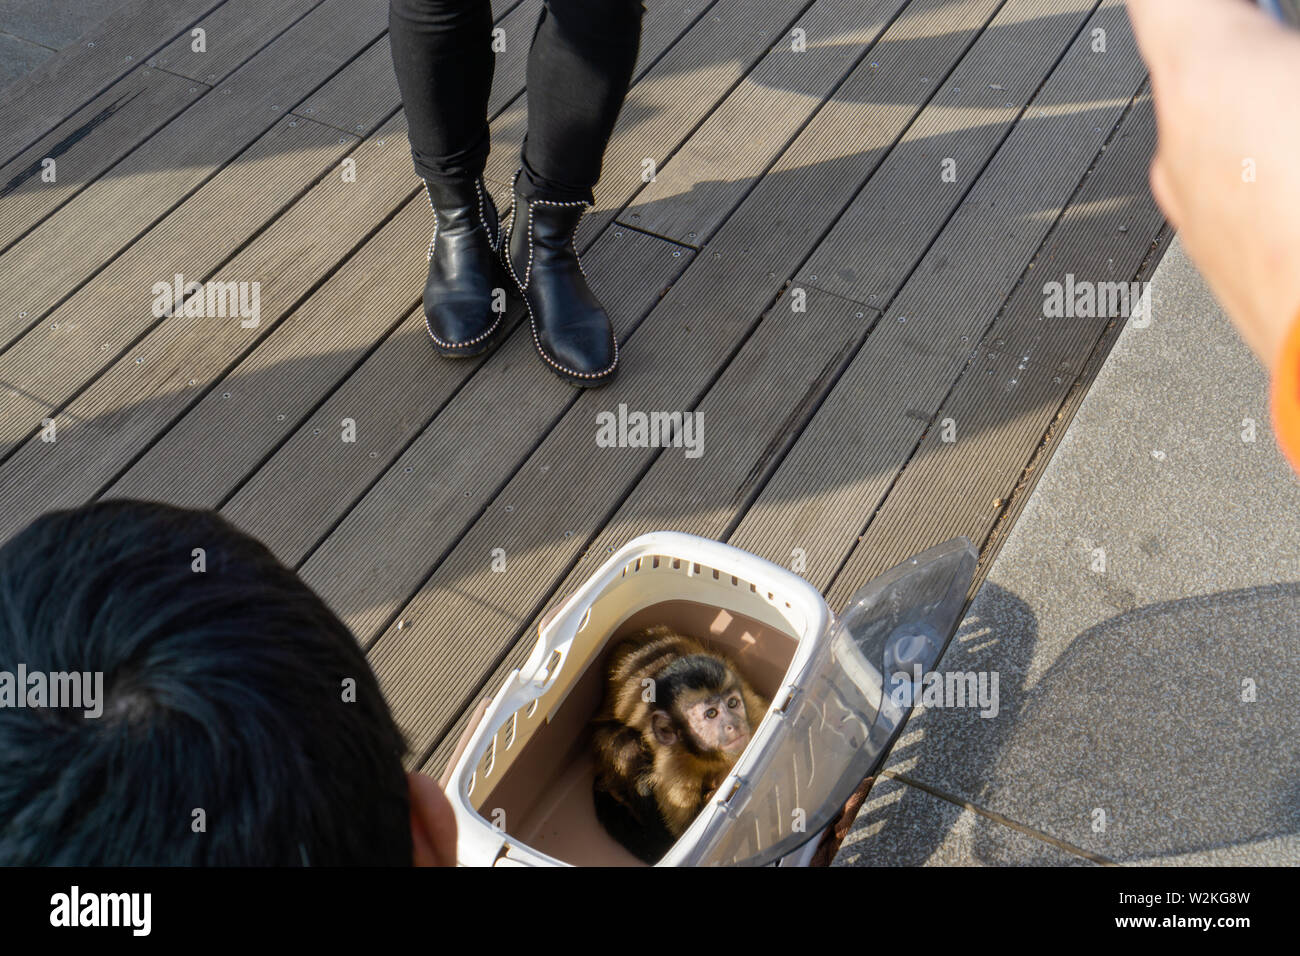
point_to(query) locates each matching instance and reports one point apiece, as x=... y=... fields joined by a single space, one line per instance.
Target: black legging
x=579 y=67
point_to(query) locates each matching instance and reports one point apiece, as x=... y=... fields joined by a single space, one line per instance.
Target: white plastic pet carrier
x=522 y=786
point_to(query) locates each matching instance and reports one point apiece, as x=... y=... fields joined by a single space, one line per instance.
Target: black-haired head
x=239 y=722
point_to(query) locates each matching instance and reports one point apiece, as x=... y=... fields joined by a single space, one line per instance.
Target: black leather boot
x=465 y=293
x=570 y=328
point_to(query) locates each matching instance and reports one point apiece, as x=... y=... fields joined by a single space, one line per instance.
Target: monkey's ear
x=665 y=730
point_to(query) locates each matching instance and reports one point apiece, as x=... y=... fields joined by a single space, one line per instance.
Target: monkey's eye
x=734 y=702
x=711 y=713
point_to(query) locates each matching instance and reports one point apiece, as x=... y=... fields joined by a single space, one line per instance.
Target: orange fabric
x=1286 y=396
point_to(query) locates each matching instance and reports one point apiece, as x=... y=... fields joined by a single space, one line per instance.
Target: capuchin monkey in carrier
x=675 y=719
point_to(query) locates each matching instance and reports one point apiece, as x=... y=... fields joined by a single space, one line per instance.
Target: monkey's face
x=717 y=721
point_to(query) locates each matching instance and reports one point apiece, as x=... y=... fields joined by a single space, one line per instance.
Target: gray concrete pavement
x=18 y=56
x=51 y=23
x=31 y=30
x=1144 y=620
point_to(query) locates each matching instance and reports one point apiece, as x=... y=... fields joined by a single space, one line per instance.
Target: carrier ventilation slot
x=504 y=738
x=692 y=569
x=489 y=759
x=552 y=663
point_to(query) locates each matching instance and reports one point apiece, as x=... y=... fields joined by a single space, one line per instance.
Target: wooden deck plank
x=362 y=96
x=31 y=391
x=848 y=457
x=134 y=30
x=650 y=50
x=902 y=76
x=675 y=93
x=118 y=207
x=38 y=374
x=258 y=403
x=861 y=258
x=122 y=413
x=962 y=486
x=233 y=34
x=293 y=526
x=287 y=515
x=53 y=362
x=85 y=144
x=423 y=511
x=308 y=360
x=106 y=395
x=143 y=101
x=845 y=141
x=708 y=175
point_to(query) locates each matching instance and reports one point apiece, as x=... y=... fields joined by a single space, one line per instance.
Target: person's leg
x=579 y=68
x=443 y=58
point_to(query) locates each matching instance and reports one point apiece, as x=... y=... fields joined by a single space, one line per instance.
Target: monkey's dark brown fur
x=659 y=761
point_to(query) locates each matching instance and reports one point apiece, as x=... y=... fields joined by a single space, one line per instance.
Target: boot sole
x=578 y=382
x=469 y=351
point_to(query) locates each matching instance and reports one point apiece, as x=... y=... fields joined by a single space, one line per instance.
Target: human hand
x=1226 y=81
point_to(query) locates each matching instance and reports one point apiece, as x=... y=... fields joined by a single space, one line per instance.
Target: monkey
x=674 y=720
